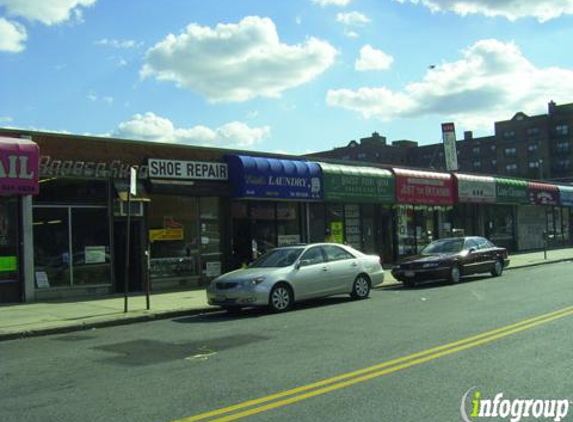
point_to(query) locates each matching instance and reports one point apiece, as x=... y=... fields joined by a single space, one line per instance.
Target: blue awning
x=274 y=178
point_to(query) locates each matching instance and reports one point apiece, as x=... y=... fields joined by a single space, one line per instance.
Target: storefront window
x=288 y=223
x=334 y=223
x=263 y=223
x=425 y=227
x=51 y=246
x=368 y=229
x=406 y=230
x=500 y=226
x=317 y=226
x=353 y=236
x=9 y=259
x=90 y=240
x=174 y=255
x=211 y=255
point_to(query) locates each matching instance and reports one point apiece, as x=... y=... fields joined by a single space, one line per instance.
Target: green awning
x=511 y=191
x=357 y=184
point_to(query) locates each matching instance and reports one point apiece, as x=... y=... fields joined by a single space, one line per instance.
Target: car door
x=343 y=269
x=311 y=274
x=487 y=254
x=472 y=260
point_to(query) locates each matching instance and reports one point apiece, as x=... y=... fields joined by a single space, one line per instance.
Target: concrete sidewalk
x=31 y=319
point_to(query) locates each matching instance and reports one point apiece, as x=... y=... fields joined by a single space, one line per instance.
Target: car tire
x=455 y=274
x=361 y=287
x=497 y=268
x=281 y=298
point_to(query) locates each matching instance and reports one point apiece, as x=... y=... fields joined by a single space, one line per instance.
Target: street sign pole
x=132 y=191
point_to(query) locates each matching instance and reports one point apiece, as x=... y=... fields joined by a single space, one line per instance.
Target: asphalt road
x=330 y=360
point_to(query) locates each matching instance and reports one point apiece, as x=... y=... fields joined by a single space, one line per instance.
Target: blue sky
x=290 y=76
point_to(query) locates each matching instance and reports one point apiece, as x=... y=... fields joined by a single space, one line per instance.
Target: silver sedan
x=293 y=273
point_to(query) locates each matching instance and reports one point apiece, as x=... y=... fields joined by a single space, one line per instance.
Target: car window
x=471 y=244
x=443 y=246
x=313 y=255
x=277 y=258
x=335 y=253
x=483 y=243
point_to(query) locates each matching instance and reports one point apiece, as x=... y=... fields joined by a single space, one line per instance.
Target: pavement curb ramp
x=126 y=320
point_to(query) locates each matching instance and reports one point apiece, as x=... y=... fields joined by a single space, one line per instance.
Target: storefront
x=501 y=227
x=424 y=201
x=534 y=220
x=475 y=196
x=185 y=221
x=18 y=181
x=357 y=209
x=566 y=213
x=270 y=201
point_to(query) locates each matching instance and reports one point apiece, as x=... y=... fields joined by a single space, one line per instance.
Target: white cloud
x=12 y=36
x=372 y=59
x=340 y=3
x=123 y=44
x=351 y=34
x=93 y=97
x=352 y=18
x=236 y=62
x=542 y=10
x=48 y=12
x=492 y=79
x=151 y=127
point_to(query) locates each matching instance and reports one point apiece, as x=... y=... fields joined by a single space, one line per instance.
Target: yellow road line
x=374 y=371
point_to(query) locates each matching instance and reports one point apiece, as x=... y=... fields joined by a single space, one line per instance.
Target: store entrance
x=10 y=285
x=136 y=255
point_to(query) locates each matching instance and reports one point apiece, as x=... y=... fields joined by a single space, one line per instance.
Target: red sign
x=423 y=187
x=543 y=194
x=18 y=166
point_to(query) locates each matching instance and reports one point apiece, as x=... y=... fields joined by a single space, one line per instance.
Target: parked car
x=451 y=259
x=293 y=273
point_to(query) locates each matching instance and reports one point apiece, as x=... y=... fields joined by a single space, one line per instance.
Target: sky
x=283 y=76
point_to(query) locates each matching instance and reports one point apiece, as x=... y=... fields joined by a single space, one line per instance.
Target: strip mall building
x=199 y=212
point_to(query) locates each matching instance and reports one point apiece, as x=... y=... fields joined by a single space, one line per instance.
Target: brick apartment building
x=533 y=147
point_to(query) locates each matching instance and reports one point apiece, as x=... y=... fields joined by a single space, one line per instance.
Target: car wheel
x=455 y=274
x=361 y=287
x=497 y=268
x=281 y=298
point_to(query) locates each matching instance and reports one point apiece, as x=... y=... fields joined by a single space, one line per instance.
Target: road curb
x=83 y=326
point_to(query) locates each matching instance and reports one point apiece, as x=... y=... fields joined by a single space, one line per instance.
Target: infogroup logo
x=513 y=409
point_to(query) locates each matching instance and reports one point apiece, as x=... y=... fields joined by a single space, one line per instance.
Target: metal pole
x=126 y=277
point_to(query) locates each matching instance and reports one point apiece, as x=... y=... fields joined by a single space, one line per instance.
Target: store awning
x=18 y=166
x=511 y=191
x=357 y=184
x=543 y=194
x=566 y=196
x=423 y=187
x=274 y=178
x=475 y=189
x=122 y=189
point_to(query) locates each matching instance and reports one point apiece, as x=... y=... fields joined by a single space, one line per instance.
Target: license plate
x=409 y=274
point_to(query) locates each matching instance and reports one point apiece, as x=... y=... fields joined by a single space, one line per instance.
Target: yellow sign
x=165 y=234
x=337 y=231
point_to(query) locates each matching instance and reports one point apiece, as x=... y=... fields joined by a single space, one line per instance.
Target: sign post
x=132 y=191
x=450 y=151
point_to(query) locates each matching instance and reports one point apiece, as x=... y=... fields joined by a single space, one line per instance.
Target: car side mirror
x=472 y=250
x=302 y=263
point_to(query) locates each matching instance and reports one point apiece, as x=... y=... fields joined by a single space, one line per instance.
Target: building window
x=510 y=152
x=562 y=146
x=494 y=163
x=534 y=164
x=477 y=164
x=361 y=156
x=533 y=131
x=509 y=134
x=476 y=151
x=562 y=129
x=511 y=168
x=346 y=157
x=532 y=148
x=492 y=148
x=564 y=164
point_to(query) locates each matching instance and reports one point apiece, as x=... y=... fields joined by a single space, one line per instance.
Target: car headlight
x=430 y=264
x=254 y=282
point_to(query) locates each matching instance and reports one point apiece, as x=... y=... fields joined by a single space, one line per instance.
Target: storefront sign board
x=288 y=239
x=566 y=196
x=42 y=281
x=8 y=264
x=272 y=178
x=475 y=189
x=418 y=187
x=94 y=254
x=511 y=191
x=357 y=184
x=187 y=170
x=543 y=194
x=165 y=235
x=337 y=232
x=18 y=166
x=115 y=169
x=213 y=269
x=450 y=150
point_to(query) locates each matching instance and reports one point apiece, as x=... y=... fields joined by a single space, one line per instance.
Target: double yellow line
x=263 y=404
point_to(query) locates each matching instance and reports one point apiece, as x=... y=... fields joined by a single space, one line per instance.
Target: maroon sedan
x=451 y=259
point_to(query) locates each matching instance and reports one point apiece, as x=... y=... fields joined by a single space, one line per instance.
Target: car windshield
x=443 y=246
x=282 y=257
